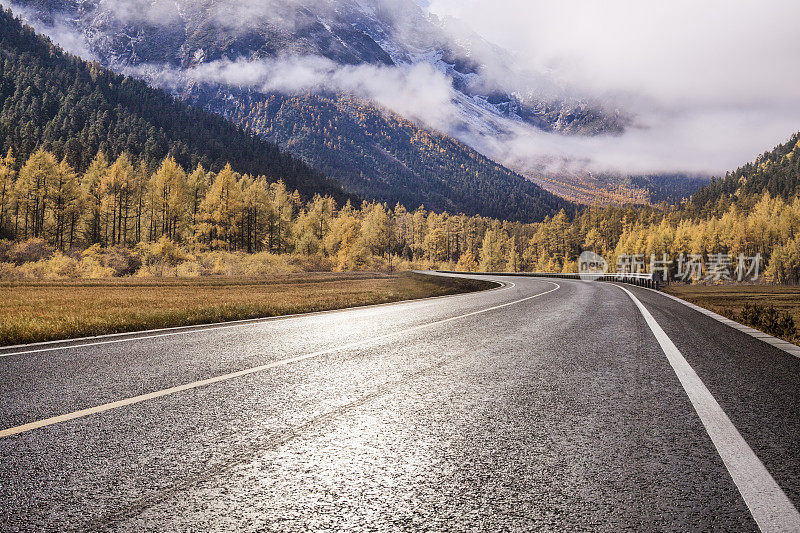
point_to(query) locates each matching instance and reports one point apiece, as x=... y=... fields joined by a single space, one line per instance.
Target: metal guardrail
x=639 y=279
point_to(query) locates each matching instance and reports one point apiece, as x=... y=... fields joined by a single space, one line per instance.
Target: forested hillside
x=776 y=172
x=669 y=188
x=612 y=189
x=119 y=219
x=379 y=155
x=74 y=109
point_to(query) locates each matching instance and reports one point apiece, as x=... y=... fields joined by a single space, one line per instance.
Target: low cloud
x=710 y=84
x=417 y=92
x=698 y=143
x=58 y=29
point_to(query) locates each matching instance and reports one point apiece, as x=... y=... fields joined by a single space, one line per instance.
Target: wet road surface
x=542 y=405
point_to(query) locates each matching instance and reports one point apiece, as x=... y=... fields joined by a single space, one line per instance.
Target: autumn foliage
x=121 y=218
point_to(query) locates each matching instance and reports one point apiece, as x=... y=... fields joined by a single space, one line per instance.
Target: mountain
x=187 y=33
x=59 y=102
x=776 y=172
x=380 y=155
x=205 y=51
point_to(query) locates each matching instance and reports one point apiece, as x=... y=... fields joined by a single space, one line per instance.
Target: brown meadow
x=42 y=311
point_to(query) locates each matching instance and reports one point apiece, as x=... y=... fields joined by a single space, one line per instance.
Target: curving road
x=541 y=405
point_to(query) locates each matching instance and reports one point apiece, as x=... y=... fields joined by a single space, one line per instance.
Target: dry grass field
x=733 y=297
x=40 y=311
x=729 y=300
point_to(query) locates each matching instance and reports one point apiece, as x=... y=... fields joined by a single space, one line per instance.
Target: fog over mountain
x=709 y=83
x=542 y=87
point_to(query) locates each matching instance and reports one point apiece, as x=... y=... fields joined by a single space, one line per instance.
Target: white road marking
x=769 y=505
x=225 y=377
x=183 y=330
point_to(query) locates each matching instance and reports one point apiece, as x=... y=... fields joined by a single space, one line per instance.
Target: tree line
x=121 y=203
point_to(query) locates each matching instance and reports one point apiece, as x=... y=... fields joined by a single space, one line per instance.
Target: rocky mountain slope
x=185 y=33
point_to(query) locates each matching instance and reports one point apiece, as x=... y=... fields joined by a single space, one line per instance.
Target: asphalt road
x=543 y=405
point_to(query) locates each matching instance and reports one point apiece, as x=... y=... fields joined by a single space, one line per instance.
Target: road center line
x=769 y=505
x=225 y=377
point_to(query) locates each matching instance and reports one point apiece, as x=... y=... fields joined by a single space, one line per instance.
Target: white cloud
x=59 y=31
x=712 y=83
x=718 y=50
x=418 y=92
x=699 y=142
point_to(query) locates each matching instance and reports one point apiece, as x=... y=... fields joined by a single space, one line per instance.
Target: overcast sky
x=713 y=82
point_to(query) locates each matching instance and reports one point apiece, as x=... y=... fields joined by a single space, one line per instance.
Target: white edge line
x=127 y=336
x=225 y=377
x=768 y=504
x=788 y=347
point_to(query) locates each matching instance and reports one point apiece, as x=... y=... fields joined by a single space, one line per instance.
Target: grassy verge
x=738 y=301
x=41 y=311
